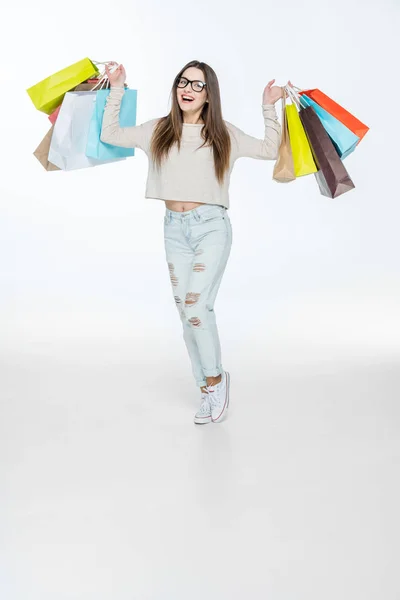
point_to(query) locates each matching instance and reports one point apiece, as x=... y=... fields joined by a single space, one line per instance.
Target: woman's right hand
x=117 y=78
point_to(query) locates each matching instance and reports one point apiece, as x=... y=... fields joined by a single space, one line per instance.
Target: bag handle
x=104 y=81
x=284 y=94
x=284 y=116
x=292 y=96
x=295 y=97
x=113 y=64
x=301 y=98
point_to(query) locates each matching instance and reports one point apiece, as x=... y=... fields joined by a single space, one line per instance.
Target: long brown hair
x=168 y=130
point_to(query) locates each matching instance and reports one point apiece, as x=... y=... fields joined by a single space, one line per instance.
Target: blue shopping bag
x=95 y=148
x=344 y=140
x=69 y=139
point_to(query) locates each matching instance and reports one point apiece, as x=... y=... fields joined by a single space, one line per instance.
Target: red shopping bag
x=337 y=111
x=53 y=116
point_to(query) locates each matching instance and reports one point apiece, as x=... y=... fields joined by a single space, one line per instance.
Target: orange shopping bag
x=337 y=111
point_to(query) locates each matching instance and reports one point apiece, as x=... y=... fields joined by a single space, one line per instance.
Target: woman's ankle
x=213 y=380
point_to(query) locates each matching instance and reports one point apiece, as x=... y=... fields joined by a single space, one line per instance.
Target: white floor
x=109 y=491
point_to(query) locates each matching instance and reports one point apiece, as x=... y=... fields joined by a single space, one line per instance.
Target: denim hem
x=212 y=372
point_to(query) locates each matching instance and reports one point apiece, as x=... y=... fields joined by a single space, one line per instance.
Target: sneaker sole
x=202 y=420
x=226 y=404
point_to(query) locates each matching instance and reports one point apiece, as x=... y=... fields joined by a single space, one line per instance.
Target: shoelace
x=213 y=391
x=204 y=406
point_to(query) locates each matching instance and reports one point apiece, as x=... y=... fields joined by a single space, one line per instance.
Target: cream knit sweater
x=188 y=175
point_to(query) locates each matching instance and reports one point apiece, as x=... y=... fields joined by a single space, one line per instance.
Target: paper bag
x=42 y=152
x=49 y=93
x=68 y=144
x=284 y=167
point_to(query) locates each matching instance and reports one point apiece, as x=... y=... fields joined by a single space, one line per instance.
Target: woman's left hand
x=272 y=93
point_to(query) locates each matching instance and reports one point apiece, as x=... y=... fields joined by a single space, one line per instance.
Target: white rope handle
x=300 y=97
x=104 y=80
x=295 y=97
x=110 y=63
x=292 y=95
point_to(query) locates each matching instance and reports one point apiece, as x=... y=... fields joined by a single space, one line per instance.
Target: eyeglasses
x=197 y=86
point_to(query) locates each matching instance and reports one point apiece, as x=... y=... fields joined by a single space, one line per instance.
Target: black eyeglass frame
x=191 y=84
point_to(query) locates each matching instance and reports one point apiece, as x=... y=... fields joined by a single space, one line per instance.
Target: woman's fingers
x=118 y=72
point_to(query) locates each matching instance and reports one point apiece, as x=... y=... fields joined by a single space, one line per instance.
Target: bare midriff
x=180 y=206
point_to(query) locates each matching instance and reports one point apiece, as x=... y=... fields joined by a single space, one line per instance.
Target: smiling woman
x=191 y=154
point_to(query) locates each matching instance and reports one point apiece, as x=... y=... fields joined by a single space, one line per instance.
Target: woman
x=191 y=154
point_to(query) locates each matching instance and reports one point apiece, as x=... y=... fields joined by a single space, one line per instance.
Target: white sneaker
x=203 y=415
x=219 y=397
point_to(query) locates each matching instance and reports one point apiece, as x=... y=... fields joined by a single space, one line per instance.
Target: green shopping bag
x=48 y=94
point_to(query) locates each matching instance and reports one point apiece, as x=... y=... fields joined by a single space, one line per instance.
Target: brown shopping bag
x=332 y=176
x=284 y=167
x=42 y=152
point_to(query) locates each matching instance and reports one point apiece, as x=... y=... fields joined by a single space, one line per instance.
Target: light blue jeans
x=197 y=247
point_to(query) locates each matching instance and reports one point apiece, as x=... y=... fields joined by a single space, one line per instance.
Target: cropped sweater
x=188 y=175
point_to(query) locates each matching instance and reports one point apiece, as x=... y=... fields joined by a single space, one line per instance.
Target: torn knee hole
x=191 y=298
x=199 y=267
x=195 y=321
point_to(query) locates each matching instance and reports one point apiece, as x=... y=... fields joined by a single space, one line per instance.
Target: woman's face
x=199 y=98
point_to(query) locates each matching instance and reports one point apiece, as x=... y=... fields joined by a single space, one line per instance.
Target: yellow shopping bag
x=303 y=160
x=49 y=93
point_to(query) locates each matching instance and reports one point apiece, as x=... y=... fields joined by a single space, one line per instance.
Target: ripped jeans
x=197 y=247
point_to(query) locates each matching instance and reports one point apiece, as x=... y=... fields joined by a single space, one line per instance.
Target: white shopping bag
x=69 y=140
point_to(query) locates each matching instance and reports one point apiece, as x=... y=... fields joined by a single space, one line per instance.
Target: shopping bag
x=340 y=113
x=53 y=117
x=82 y=87
x=303 y=160
x=332 y=176
x=86 y=86
x=284 y=167
x=344 y=140
x=68 y=144
x=49 y=93
x=42 y=152
x=95 y=148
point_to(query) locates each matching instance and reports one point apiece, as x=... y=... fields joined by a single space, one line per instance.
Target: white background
x=85 y=294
